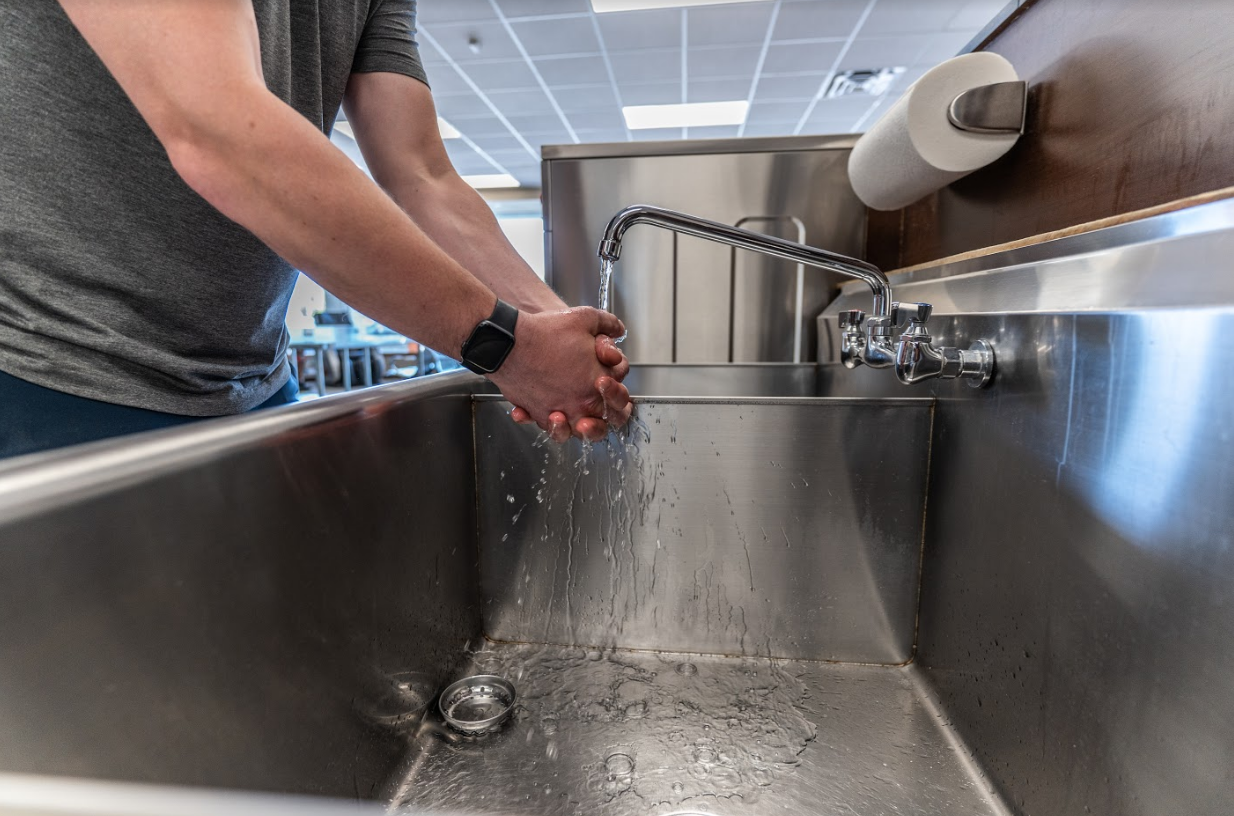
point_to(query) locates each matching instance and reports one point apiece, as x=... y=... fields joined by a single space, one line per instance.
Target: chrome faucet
x=865 y=340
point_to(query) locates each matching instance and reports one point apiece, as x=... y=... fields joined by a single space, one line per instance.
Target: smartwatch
x=491 y=340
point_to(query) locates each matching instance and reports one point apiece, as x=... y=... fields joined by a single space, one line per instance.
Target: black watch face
x=487 y=348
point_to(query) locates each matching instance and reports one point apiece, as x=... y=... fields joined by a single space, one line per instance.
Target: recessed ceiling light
x=693 y=114
x=605 y=6
x=491 y=181
x=448 y=131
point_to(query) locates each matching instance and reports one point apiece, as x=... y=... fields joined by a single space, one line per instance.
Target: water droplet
x=619 y=765
x=687 y=669
x=678 y=788
x=510 y=498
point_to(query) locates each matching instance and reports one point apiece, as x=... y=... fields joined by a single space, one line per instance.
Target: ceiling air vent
x=867 y=81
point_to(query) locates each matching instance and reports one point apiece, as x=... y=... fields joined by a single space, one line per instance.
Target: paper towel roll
x=914 y=150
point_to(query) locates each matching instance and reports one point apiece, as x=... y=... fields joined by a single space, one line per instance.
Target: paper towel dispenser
x=959 y=117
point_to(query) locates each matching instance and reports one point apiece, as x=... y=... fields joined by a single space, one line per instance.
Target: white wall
x=527 y=236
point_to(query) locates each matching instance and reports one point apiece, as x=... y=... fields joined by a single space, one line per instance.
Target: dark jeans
x=34 y=418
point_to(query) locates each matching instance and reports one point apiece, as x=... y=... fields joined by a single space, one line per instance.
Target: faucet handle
x=917 y=313
x=851 y=319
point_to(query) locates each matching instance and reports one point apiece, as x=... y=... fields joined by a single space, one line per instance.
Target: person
x=165 y=168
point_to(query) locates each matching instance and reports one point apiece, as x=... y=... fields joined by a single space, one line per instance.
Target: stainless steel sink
x=708 y=612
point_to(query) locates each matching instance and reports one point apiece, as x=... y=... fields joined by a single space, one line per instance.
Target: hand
x=566 y=388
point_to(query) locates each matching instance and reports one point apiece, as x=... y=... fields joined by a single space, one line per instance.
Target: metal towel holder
x=998 y=108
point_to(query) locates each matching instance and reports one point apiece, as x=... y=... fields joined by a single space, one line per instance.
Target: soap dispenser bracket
x=998 y=108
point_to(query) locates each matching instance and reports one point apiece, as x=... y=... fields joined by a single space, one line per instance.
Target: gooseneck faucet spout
x=864 y=340
x=610 y=246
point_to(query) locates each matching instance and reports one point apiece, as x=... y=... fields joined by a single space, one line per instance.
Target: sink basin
x=713 y=611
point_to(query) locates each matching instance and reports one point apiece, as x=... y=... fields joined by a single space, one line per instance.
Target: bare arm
x=193 y=71
x=395 y=122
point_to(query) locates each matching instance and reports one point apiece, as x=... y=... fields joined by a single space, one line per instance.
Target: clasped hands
x=565 y=374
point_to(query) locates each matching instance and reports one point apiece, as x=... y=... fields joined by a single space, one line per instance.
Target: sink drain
x=475 y=705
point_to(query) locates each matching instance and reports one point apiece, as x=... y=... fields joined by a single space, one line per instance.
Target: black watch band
x=491 y=340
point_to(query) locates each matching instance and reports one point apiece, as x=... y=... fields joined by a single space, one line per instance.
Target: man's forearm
x=275 y=174
x=461 y=223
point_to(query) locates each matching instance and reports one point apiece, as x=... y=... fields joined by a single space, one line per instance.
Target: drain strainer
x=475 y=705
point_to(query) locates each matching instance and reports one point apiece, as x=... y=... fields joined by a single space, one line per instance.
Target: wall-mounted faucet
x=865 y=340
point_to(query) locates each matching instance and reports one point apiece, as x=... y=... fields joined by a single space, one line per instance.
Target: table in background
x=344 y=339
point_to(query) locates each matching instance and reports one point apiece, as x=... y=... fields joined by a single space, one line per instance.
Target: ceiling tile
x=769 y=128
x=718 y=90
x=847 y=107
x=600 y=136
x=479 y=127
x=443 y=79
x=728 y=24
x=464 y=159
x=812 y=19
x=710 y=63
x=522 y=103
x=883 y=52
x=536 y=8
x=647 y=66
x=534 y=123
x=493 y=41
x=461 y=107
x=498 y=142
x=585 y=98
x=794 y=86
x=512 y=157
x=942 y=47
x=828 y=127
x=573 y=35
x=573 y=70
x=548 y=135
x=610 y=119
x=763 y=112
x=657 y=134
x=795 y=58
x=718 y=132
x=910 y=16
x=636 y=30
x=434 y=13
x=503 y=75
x=976 y=14
x=654 y=93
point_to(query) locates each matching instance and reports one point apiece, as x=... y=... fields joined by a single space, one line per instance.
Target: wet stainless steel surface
x=688 y=300
x=1078 y=584
x=636 y=734
x=260 y=603
x=724 y=380
x=789 y=528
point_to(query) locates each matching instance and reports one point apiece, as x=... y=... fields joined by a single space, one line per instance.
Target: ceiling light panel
x=606 y=6
x=448 y=131
x=491 y=181
x=694 y=114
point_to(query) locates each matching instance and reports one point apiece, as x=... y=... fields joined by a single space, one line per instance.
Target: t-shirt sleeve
x=388 y=42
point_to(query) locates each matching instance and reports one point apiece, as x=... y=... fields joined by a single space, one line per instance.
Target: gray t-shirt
x=117 y=281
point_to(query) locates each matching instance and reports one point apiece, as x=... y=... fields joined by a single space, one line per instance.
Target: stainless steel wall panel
x=1077 y=617
x=786 y=528
x=806 y=179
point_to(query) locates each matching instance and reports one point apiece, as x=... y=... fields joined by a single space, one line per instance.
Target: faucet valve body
x=918 y=359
